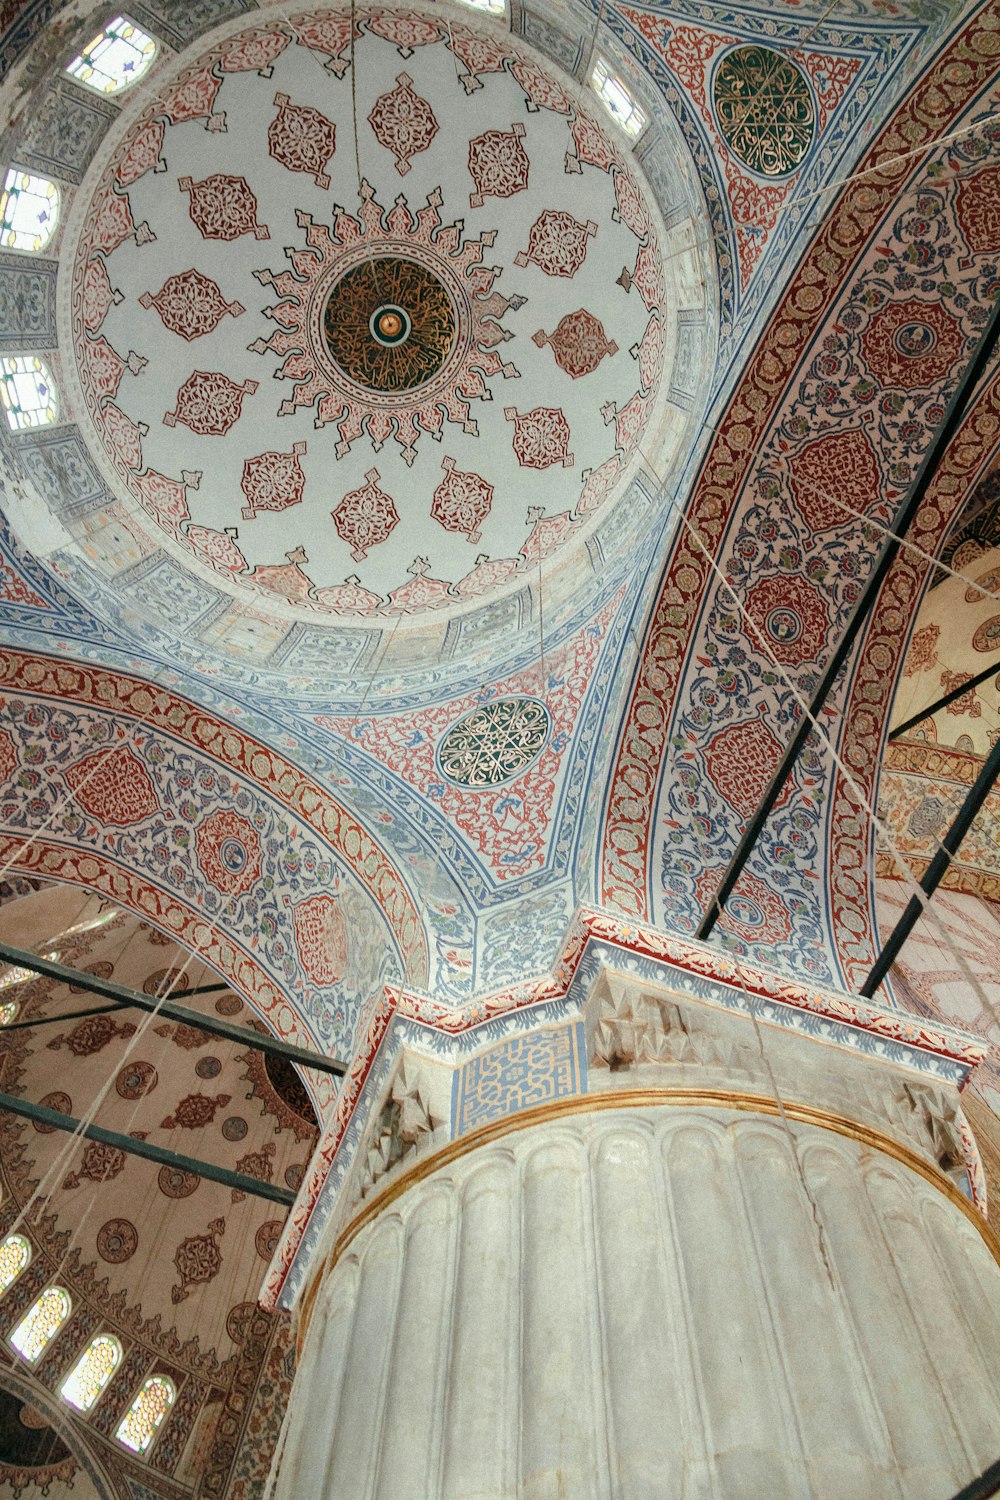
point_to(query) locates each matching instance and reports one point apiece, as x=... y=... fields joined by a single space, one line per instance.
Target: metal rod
x=933 y=708
x=202 y=989
x=905 y=513
x=69 y=1015
x=262 y=1041
x=982 y=1488
x=974 y=799
x=42 y=1115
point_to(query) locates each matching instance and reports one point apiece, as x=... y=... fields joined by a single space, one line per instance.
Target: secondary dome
x=397 y=396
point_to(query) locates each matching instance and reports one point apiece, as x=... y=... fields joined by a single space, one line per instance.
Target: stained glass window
x=42 y=1322
x=29 y=208
x=27 y=392
x=142 y=1420
x=491 y=7
x=16 y=975
x=8 y=1011
x=15 y=1252
x=616 y=98
x=92 y=1372
x=115 y=59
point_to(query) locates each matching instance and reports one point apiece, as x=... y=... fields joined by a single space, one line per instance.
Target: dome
x=372 y=358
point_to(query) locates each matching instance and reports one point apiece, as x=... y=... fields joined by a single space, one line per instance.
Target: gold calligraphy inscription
x=765 y=109
x=389 y=324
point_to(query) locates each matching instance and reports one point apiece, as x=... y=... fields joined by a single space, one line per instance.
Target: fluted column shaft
x=636 y=1303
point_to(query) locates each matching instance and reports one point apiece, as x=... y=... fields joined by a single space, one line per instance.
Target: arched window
x=491 y=7
x=15 y=1252
x=115 y=59
x=29 y=210
x=141 y=1422
x=27 y=392
x=42 y=1322
x=8 y=1012
x=616 y=98
x=92 y=1371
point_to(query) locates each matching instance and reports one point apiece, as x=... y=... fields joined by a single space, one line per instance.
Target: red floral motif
x=192 y=97
x=911 y=344
x=923 y=650
x=8 y=756
x=542 y=90
x=649 y=354
x=838 y=468
x=403 y=122
x=217 y=548
x=198 y=1260
x=402 y=416
x=631 y=210
x=790 y=618
x=253 y=52
x=365 y=516
x=195 y=1111
x=102 y=369
x=123 y=436
x=98 y=295
x=752 y=912
x=629 y=421
x=557 y=243
x=302 y=139
x=740 y=761
x=321 y=938
x=420 y=591
x=406 y=31
x=328 y=32
x=113 y=786
x=599 y=484
x=115 y=225
x=166 y=499
x=480 y=54
x=498 y=164
x=592 y=147
x=209 y=403
x=223 y=207
x=461 y=501
x=190 y=304
x=541 y=437
x=228 y=851
x=977 y=204
x=189 y=1038
x=547 y=533
x=485 y=577
x=273 y=481
x=578 y=343
x=287 y=580
x=14 y=590
x=141 y=154
x=91 y=1036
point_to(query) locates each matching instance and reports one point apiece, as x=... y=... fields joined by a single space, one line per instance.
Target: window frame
x=24 y=1239
x=132 y=1406
x=119 y=1355
x=10 y=185
x=613 y=77
x=122 y=18
x=32 y=1359
x=11 y=412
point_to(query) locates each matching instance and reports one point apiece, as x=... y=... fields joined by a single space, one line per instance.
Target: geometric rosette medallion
x=319 y=394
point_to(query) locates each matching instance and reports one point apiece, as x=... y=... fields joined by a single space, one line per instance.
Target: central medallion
x=389 y=324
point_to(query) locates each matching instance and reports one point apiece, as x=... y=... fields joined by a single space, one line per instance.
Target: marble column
x=638 y=1297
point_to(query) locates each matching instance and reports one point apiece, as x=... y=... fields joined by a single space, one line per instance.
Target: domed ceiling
x=374 y=376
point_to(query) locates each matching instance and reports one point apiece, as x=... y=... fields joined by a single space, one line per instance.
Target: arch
x=89 y=1376
x=41 y=1323
x=15 y=1253
x=145 y=1416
